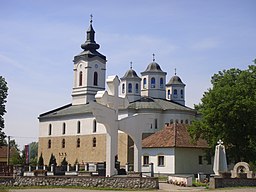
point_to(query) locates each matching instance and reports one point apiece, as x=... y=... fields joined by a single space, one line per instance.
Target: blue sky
x=38 y=40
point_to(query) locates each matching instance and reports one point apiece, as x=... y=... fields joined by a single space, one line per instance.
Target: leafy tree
x=33 y=152
x=3 y=96
x=52 y=160
x=41 y=160
x=228 y=112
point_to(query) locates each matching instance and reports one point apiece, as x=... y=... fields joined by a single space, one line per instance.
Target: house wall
x=187 y=161
x=169 y=159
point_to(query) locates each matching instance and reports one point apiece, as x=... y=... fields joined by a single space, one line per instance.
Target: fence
x=6 y=170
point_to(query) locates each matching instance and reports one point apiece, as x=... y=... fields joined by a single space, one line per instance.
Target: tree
x=52 y=160
x=41 y=160
x=3 y=96
x=33 y=152
x=228 y=112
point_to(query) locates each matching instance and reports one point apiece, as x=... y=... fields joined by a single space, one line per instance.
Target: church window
x=64 y=129
x=78 y=127
x=144 y=83
x=94 y=142
x=78 y=143
x=153 y=82
x=169 y=94
x=129 y=88
x=63 y=143
x=50 y=129
x=137 y=88
x=49 y=144
x=181 y=93
x=94 y=126
x=155 y=123
x=161 y=82
x=145 y=160
x=80 y=78
x=95 y=79
x=160 y=161
x=123 y=88
x=175 y=92
x=200 y=160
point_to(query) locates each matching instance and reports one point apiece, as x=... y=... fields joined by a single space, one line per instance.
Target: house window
x=63 y=143
x=78 y=143
x=49 y=144
x=181 y=93
x=129 y=88
x=80 y=78
x=123 y=88
x=137 y=88
x=160 y=161
x=145 y=160
x=153 y=82
x=94 y=126
x=169 y=94
x=200 y=160
x=161 y=82
x=155 y=123
x=95 y=79
x=144 y=83
x=94 y=142
x=64 y=129
x=78 y=127
x=50 y=129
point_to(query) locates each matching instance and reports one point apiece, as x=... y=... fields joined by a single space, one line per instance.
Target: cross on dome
x=131 y=65
x=91 y=18
x=175 y=71
x=153 y=56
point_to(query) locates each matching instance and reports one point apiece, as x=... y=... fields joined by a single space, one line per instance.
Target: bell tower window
x=129 y=88
x=175 y=92
x=153 y=82
x=181 y=93
x=95 y=79
x=137 y=88
x=123 y=88
x=94 y=126
x=80 y=78
x=169 y=94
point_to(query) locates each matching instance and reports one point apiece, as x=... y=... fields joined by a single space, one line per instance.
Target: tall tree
x=3 y=96
x=228 y=112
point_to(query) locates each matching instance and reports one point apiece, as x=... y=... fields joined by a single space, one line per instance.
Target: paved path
x=163 y=188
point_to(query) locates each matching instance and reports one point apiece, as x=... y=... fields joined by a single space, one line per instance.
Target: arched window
x=94 y=126
x=78 y=127
x=50 y=129
x=175 y=92
x=181 y=93
x=153 y=82
x=123 y=88
x=78 y=143
x=144 y=83
x=64 y=128
x=129 y=88
x=137 y=88
x=186 y=121
x=80 y=78
x=63 y=143
x=49 y=144
x=169 y=94
x=94 y=142
x=161 y=82
x=95 y=79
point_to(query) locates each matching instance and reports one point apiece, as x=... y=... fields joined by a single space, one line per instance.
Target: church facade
x=72 y=131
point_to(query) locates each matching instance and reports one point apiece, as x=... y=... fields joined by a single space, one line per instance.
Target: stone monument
x=220 y=161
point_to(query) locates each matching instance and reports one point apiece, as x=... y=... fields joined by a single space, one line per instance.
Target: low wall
x=180 y=180
x=98 y=182
x=231 y=182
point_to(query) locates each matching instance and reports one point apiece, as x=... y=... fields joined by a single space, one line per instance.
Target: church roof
x=161 y=104
x=153 y=67
x=130 y=74
x=142 y=103
x=175 y=80
x=174 y=135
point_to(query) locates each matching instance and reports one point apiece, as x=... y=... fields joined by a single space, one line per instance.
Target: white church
x=72 y=131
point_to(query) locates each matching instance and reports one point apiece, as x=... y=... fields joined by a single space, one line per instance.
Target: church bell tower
x=89 y=70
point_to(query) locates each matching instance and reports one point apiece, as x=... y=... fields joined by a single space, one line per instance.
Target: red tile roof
x=174 y=135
